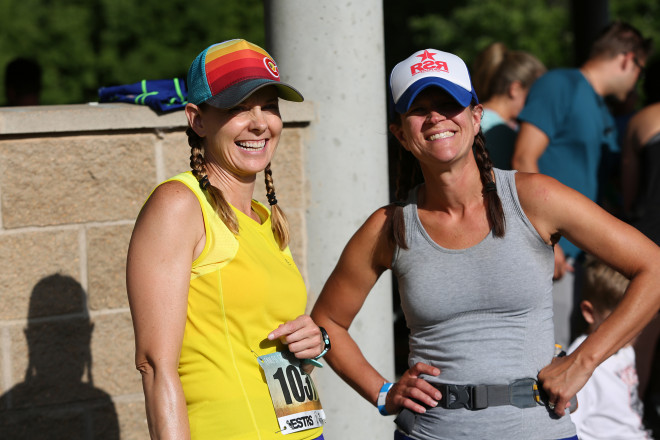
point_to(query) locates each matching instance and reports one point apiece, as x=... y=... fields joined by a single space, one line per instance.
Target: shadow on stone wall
x=57 y=399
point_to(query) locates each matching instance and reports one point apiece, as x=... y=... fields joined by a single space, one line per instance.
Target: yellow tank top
x=241 y=288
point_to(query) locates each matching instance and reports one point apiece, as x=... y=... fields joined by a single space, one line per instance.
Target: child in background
x=609 y=404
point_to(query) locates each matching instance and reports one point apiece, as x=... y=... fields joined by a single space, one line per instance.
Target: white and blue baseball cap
x=426 y=68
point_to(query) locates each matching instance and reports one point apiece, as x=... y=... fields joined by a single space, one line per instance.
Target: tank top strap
x=221 y=244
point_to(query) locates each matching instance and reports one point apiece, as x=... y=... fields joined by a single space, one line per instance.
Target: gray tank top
x=482 y=315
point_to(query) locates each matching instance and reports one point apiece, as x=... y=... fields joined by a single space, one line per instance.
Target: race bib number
x=295 y=399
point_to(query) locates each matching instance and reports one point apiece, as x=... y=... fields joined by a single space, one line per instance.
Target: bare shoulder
x=379 y=226
x=372 y=243
x=545 y=200
x=380 y=218
x=172 y=195
x=645 y=124
x=172 y=200
x=536 y=189
x=650 y=111
x=171 y=209
x=541 y=194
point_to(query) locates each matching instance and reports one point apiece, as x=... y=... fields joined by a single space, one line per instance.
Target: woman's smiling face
x=437 y=128
x=242 y=140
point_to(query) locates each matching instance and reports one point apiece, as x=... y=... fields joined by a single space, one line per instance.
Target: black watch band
x=326 y=341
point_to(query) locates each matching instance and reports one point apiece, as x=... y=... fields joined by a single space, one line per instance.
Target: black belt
x=522 y=393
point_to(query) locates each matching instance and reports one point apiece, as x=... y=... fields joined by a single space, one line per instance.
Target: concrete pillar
x=333 y=53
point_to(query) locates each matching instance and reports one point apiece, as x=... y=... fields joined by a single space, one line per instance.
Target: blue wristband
x=313 y=362
x=326 y=342
x=382 y=398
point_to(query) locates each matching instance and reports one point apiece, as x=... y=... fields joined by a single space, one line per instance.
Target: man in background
x=566 y=126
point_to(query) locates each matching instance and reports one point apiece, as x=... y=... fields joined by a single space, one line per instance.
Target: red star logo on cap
x=427 y=55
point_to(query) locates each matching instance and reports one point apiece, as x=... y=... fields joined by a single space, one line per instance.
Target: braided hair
x=494 y=208
x=222 y=208
x=279 y=222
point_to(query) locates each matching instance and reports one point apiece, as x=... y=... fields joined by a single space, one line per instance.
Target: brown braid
x=279 y=223
x=494 y=208
x=408 y=176
x=222 y=208
x=407 y=166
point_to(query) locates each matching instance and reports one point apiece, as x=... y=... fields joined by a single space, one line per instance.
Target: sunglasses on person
x=642 y=68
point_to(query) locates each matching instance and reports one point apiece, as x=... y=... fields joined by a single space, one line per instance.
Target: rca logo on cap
x=272 y=67
x=428 y=63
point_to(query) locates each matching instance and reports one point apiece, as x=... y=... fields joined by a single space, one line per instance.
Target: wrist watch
x=326 y=341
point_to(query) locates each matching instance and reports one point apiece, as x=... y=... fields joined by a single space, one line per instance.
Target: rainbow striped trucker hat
x=226 y=73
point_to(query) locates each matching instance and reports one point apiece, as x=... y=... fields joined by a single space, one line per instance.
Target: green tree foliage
x=82 y=45
x=643 y=14
x=86 y=44
x=538 y=27
x=543 y=27
x=467 y=27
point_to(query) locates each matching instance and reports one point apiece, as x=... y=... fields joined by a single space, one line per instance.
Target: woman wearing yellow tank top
x=222 y=342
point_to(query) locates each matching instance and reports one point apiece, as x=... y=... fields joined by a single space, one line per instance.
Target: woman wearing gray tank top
x=472 y=249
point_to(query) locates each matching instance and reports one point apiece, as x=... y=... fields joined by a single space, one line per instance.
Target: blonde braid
x=279 y=223
x=222 y=208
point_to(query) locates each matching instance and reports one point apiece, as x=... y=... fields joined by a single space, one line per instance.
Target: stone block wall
x=72 y=181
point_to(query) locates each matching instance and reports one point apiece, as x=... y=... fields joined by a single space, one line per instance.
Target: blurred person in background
x=609 y=403
x=565 y=127
x=640 y=172
x=640 y=166
x=502 y=79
